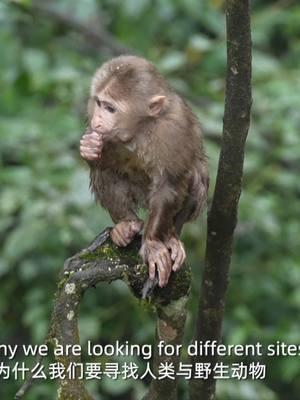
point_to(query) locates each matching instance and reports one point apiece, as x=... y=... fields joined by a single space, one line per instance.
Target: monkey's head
x=127 y=94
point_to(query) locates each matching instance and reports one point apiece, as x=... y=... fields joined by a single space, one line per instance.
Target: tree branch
x=98 y=38
x=102 y=261
x=223 y=214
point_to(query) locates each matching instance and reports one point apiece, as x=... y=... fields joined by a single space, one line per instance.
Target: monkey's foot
x=178 y=255
x=157 y=256
x=124 y=232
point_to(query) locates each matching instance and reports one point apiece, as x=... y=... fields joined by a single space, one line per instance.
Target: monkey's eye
x=98 y=102
x=109 y=108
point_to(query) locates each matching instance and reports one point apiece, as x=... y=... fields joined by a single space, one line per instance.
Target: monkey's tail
x=148 y=288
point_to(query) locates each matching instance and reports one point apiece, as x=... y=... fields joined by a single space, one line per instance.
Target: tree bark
x=223 y=214
x=102 y=261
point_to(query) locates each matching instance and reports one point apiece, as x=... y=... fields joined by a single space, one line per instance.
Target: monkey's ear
x=156 y=105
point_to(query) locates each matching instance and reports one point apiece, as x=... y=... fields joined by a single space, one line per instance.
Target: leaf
x=26 y=237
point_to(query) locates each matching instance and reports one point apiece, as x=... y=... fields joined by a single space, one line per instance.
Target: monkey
x=144 y=147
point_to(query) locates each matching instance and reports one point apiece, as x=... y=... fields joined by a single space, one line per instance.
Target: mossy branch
x=102 y=261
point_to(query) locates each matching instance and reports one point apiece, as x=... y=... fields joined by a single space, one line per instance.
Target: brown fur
x=152 y=161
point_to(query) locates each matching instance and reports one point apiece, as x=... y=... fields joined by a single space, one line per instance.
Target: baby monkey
x=144 y=148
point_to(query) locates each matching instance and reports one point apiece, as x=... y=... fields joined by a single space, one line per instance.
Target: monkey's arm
x=109 y=188
x=91 y=146
x=114 y=193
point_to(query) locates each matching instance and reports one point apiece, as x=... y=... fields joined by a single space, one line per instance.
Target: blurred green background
x=48 y=214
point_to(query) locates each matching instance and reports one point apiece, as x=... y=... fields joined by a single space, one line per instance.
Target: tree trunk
x=223 y=214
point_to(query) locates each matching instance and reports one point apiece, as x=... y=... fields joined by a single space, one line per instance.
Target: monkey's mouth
x=107 y=136
x=103 y=134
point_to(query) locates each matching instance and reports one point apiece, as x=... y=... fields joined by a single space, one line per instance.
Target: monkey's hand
x=124 y=232
x=91 y=146
x=157 y=256
x=178 y=255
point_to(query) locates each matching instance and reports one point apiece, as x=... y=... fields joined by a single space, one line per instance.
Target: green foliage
x=47 y=213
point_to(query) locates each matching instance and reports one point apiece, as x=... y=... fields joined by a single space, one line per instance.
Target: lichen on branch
x=102 y=261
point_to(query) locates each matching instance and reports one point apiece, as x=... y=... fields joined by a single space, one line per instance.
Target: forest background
x=48 y=214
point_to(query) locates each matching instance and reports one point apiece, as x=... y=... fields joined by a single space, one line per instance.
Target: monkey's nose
x=96 y=126
x=96 y=122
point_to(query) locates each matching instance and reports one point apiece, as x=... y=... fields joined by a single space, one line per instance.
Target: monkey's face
x=113 y=120
x=119 y=113
x=104 y=116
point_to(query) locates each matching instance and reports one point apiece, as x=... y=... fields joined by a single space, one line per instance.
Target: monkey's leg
x=192 y=205
x=162 y=249
x=176 y=248
x=185 y=214
x=180 y=201
x=116 y=194
x=196 y=198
